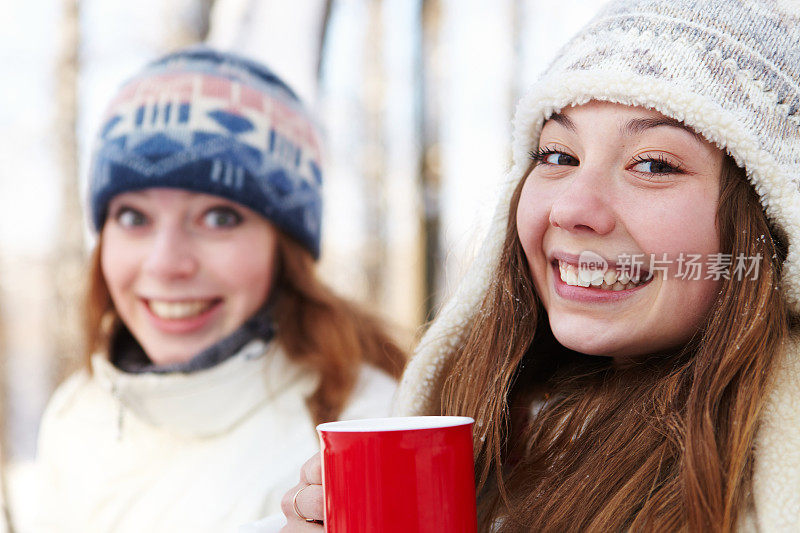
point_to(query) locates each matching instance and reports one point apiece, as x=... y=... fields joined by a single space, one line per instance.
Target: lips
x=600 y=281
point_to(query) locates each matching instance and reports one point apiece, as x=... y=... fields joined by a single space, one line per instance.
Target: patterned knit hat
x=729 y=69
x=212 y=122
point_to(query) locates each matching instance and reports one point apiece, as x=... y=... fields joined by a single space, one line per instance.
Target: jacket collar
x=776 y=472
x=210 y=401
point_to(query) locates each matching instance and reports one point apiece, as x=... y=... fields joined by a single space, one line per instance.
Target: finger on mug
x=311 y=471
x=287 y=501
x=309 y=502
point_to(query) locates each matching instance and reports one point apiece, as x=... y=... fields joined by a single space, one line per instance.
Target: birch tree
x=374 y=167
x=190 y=21
x=429 y=164
x=324 y=27
x=68 y=262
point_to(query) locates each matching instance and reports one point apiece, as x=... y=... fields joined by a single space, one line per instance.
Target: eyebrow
x=638 y=125
x=564 y=120
x=634 y=126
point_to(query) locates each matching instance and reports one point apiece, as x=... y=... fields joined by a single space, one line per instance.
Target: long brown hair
x=663 y=445
x=317 y=328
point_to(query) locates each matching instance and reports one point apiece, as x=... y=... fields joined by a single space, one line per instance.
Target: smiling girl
x=664 y=397
x=618 y=181
x=214 y=348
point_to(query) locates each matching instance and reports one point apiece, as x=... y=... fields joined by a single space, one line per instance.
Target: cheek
x=532 y=220
x=707 y=292
x=681 y=231
x=678 y=228
x=247 y=274
x=686 y=307
x=118 y=264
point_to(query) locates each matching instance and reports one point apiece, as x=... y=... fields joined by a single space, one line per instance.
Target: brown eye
x=549 y=156
x=654 y=166
x=558 y=158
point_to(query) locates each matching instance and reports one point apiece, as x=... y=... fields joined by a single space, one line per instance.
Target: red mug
x=399 y=475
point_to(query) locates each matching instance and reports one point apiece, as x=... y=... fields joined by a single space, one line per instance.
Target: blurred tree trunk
x=5 y=512
x=323 y=35
x=374 y=163
x=68 y=263
x=430 y=157
x=191 y=21
x=5 y=516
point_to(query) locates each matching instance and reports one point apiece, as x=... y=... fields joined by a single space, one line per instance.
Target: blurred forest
x=414 y=98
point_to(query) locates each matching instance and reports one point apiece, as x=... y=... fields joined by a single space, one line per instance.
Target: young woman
x=215 y=349
x=626 y=342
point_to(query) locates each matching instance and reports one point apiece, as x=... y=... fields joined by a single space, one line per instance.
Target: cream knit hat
x=730 y=69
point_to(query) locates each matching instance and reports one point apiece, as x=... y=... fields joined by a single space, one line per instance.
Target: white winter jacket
x=199 y=452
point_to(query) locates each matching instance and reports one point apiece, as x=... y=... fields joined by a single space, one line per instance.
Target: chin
x=584 y=341
x=590 y=350
x=620 y=352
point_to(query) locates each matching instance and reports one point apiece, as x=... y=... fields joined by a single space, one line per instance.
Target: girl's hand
x=303 y=502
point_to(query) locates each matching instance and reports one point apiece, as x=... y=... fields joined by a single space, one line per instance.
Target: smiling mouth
x=172 y=310
x=607 y=280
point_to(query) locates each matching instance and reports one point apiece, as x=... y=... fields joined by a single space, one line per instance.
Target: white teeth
x=571 y=278
x=605 y=280
x=177 y=310
x=593 y=277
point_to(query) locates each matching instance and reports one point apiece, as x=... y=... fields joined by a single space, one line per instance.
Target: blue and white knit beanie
x=212 y=122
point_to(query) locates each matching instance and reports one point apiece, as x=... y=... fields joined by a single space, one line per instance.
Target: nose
x=171 y=255
x=583 y=205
